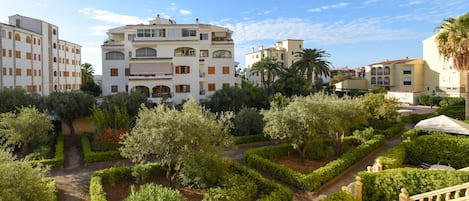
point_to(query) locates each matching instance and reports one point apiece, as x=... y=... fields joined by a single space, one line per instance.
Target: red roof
x=397 y=61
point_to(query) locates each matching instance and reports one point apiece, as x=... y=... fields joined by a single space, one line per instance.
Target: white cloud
x=110 y=17
x=412 y=3
x=100 y=30
x=370 y=2
x=327 y=7
x=185 y=12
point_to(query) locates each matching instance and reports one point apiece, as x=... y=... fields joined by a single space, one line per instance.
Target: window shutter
x=188 y=69
x=178 y=69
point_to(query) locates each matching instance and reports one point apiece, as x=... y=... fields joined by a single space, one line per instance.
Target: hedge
x=386 y=185
x=250 y=138
x=59 y=156
x=259 y=159
x=340 y=196
x=92 y=157
x=415 y=118
x=392 y=131
x=269 y=190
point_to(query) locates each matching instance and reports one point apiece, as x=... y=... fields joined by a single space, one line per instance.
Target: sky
x=353 y=33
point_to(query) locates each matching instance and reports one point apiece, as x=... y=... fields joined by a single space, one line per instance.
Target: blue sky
x=354 y=33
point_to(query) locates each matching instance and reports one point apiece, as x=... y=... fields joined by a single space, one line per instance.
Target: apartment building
x=168 y=61
x=36 y=59
x=284 y=51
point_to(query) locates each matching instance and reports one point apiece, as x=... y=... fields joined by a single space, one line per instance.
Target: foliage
x=111 y=118
x=379 y=107
x=87 y=72
x=445 y=101
x=386 y=185
x=204 y=171
x=428 y=100
x=415 y=118
x=393 y=157
x=21 y=180
x=266 y=69
x=70 y=106
x=89 y=156
x=107 y=140
x=132 y=102
x=453 y=111
x=259 y=158
x=250 y=138
x=452 y=45
x=248 y=121
x=364 y=135
x=340 y=78
x=91 y=88
x=236 y=188
x=340 y=196
x=392 y=130
x=291 y=83
x=312 y=62
x=173 y=136
x=28 y=124
x=59 y=156
x=12 y=99
x=154 y=192
x=308 y=118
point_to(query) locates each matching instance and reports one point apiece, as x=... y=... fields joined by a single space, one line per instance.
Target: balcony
x=165 y=76
x=151 y=71
x=202 y=92
x=201 y=74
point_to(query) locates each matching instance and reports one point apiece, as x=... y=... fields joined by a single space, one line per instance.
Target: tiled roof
x=397 y=61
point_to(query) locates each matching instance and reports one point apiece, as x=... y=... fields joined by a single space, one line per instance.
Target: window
x=114 y=88
x=114 y=72
x=17 y=37
x=373 y=80
x=226 y=85
x=127 y=71
x=189 y=32
x=54 y=31
x=226 y=70
x=387 y=70
x=380 y=81
x=203 y=53
x=184 y=51
x=34 y=41
x=183 y=88
x=387 y=81
x=18 y=54
x=407 y=70
x=182 y=69
x=211 y=87
x=38 y=41
x=204 y=36
x=29 y=72
x=9 y=53
x=4 y=52
x=131 y=37
x=4 y=34
x=9 y=35
x=158 y=32
x=54 y=46
x=4 y=71
x=373 y=71
x=28 y=39
x=114 y=55
x=55 y=59
x=407 y=81
x=146 y=52
x=55 y=73
x=211 y=70
x=18 y=71
x=147 y=33
x=222 y=54
x=28 y=55
x=380 y=71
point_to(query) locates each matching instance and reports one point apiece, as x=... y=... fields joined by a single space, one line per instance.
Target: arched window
x=380 y=71
x=373 y=80
x=222 y=54
x=141 y=89
x=55 y=73
x=146 y=52
x=54 y=46
x=380 y=81
x=55 y=59
x=386 y=80
x=373 y=71
x=28 y=39
x=114 y=55
x=184 y=51
x=161 y=91
x=17 y=37
x=54 y=31
x=387 y=70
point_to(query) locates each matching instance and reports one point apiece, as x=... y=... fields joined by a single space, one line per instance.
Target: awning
x=444 y=124
x=151 y=68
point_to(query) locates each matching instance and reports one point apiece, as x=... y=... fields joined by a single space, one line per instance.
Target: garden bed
x=294 y=162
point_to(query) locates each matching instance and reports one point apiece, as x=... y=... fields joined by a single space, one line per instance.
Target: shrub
x=454 y=111
x=391 y=131
x=236 y=188
x=364 y=135
x=250 y=138
x=340 y=196
x=386 y=185
x=107 y=140
x=154 y=192
x=394 y=157
x=91 y=156
x=59 y=156
x=204 y=171
x=248 y=121
x=445 y=101
x=415 y=118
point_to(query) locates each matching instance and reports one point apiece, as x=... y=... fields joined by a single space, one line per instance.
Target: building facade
x=168 y=61
x=34 y=58
x=284 y=51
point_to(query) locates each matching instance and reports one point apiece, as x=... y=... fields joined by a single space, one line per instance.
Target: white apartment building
x=35 y=59
x=284 y=51
x=168 y=61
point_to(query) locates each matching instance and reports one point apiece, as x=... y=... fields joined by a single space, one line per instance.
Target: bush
x=259 y=159
x=415 y=118
x=91 y=156
x=154 y=192
x=248 y=121
x=236 y=188
x=340 y=196
x=391 y=131
x=250 y=138
x=453 y=111
x=59 y=156
x=386 y=185
x=204 y=171
x=394 y=157
x=446 y=101
x=364 y=135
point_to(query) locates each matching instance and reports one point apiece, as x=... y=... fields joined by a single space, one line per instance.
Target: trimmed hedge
x=386 y=185
x=415 y=118
x=59 y=156
x=92 y=157
x=392 y=131
x=250 y=138
x=453 y=111
x=394 y=157
x=269 y=190
x=259 y=159
x=340 y=196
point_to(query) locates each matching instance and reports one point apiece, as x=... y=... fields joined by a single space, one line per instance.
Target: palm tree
x=312 y=62
x=291 y=82
x=87 y=72
x=453 y=44
x=267 y=69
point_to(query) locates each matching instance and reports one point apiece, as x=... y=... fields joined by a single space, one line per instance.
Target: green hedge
x=386 y=185
x=92 y=157
x=340 y=196
x=415 y=118
x=259 y=159
x=250 y=138
x=394 y=157
x=59 y=156
x=392 y=131
x=454 y=111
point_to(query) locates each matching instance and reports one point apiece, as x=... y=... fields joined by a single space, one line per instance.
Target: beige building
x=35 y=59
x=284 y=51
x=168 y=61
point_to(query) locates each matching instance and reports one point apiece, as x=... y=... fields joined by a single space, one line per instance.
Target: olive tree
x=24 y=126
x=174 y=136
x=21 y=180
x=305 y=119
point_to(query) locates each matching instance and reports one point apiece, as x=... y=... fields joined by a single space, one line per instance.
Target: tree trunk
x=24 y=149
x=467 y=95
x=302 y=152
x=72 y=129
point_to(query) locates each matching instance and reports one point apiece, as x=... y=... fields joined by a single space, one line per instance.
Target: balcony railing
x=201 y=74
x=202 y=92
x=151 y=76
x=454 y=193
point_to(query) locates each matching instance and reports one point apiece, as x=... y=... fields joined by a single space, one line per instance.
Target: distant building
x=284 y=51
x=35 y=59
x=168 y=61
